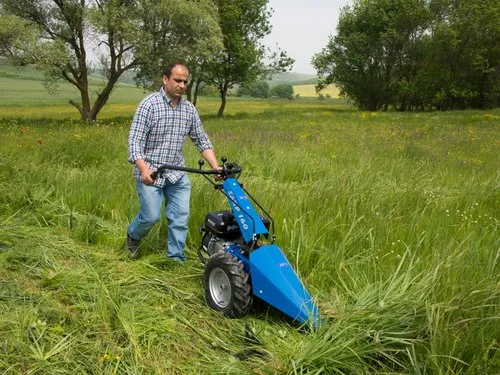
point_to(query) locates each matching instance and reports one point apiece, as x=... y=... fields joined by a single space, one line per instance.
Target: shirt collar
x=167 y=98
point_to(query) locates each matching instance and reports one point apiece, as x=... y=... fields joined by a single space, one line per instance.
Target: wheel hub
x=220 y=287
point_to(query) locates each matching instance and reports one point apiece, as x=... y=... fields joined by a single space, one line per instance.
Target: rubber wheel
x=227 y=288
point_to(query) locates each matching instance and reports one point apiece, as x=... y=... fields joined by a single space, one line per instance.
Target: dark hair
x=168 y=71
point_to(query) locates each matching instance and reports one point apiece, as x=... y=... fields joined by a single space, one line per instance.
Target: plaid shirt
x=158 y=133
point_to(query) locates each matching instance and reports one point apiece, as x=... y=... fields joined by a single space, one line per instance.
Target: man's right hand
x=146 y=177
x=145 y=172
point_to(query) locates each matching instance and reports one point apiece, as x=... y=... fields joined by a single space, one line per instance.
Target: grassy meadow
x=390 y=219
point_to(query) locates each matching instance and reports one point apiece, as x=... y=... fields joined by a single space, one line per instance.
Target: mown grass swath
x=390 y=219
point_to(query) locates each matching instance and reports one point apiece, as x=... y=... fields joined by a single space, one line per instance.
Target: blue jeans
x=176 y=210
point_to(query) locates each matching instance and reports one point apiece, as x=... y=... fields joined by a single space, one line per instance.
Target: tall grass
x=390 y=219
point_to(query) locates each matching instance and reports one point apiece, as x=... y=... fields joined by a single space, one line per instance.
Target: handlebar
x=228 y=169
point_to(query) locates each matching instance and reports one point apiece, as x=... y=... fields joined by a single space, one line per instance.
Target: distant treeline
x=263 y=90
x=415 y=54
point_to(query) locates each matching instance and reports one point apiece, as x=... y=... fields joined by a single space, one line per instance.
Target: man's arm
x=138 y=132
x=137 y=140
x=209 y=156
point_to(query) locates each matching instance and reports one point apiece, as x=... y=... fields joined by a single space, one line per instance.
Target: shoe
x=132 y=247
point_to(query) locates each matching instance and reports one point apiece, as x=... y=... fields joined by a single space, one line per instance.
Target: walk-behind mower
x=240 y=257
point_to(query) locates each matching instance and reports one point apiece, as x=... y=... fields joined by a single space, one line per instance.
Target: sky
x=302 y=28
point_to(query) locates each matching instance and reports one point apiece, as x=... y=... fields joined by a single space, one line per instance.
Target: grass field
x=391 y=220
x=306 y=91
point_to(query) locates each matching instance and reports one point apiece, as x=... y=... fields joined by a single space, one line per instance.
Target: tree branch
x=78 y=106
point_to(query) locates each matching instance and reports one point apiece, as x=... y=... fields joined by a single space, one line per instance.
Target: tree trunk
x=83 y=108
x=85 y=103
x=222 y=107
x=103 y=96
x=189 y=91
x=80 y=71
x=482 y=95
x=90 y=114
x=196 y=91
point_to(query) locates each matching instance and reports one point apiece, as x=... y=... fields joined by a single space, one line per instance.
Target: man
x=159 y=129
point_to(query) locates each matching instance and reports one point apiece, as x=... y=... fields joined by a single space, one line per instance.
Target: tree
x=462 y=66
x=122 y=34
x=283 y=90
x=415 y=54
x=244 y=23
x=185 y=31
x=372 y=50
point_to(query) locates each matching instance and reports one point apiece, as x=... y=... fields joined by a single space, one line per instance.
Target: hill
x=9 y=75
x=31 y=73
x=293 y=79
x=25 y=86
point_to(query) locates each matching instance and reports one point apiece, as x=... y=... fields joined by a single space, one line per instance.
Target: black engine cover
x=223 y=224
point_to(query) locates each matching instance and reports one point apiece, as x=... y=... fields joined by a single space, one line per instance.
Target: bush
x=256 y=90
x=283 y=90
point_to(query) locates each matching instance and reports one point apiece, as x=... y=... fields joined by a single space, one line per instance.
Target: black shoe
x=132 y=247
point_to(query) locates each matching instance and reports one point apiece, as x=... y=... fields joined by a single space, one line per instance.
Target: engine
x=221 y=231
x=213 y=244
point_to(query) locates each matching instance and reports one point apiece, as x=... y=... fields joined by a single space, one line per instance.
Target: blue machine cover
x=247 y=218
x=275 y=281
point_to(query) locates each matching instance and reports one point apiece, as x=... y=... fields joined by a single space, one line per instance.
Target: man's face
x=176 y=84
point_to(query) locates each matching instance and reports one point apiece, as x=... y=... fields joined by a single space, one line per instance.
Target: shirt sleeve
x=198 y=135
x=138 y=132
